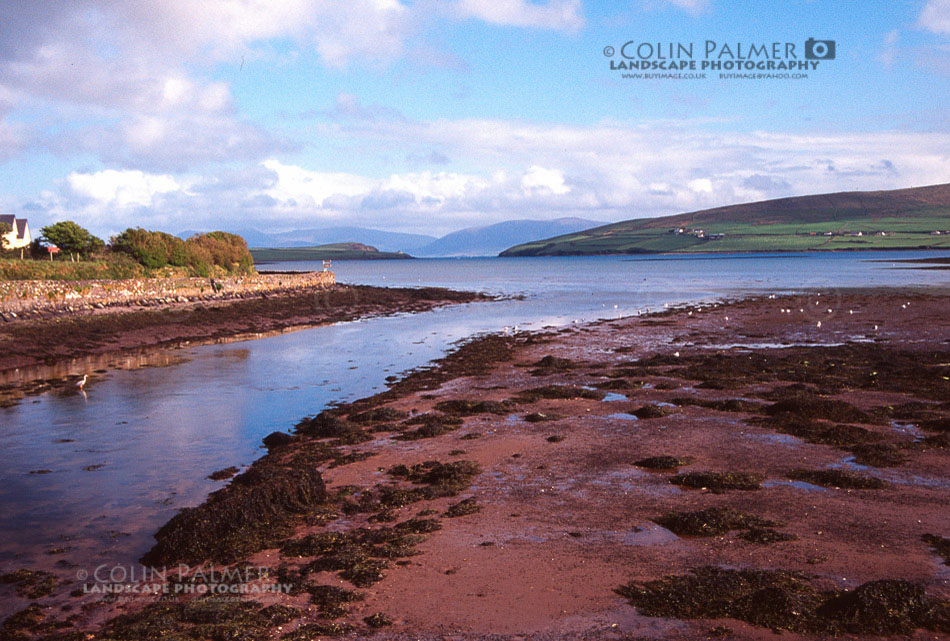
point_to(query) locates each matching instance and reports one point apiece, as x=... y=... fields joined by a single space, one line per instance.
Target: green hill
x=898 y=219
x=335 y=251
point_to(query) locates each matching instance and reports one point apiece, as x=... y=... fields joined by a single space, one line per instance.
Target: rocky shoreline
x=736 y=470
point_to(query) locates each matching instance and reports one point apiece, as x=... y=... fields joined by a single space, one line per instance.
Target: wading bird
x=82 y=382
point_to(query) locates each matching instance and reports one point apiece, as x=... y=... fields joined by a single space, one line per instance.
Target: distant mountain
x=385 y=241
x=334 y=251
x=489 y=240
x=916 y=218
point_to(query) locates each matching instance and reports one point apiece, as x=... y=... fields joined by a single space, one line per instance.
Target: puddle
x=801 y=485
x=623 y=416
x=613 y=397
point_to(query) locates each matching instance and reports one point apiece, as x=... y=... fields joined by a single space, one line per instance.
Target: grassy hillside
x=899 y=219
x=335 y=251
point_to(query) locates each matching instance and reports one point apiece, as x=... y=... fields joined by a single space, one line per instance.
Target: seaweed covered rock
x=329 y=425
x=256 y=510
x=466 y=407
x=718 y=481
x=783 y=600
x=710 y=522
x=663 y=462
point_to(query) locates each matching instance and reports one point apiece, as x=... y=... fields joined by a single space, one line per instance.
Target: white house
x=19 y=234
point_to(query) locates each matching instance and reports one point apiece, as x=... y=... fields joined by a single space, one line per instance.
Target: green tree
x=71 y=238
x=4 y=230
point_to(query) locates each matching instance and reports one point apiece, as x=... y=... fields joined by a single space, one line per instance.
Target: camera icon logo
x=819 y=49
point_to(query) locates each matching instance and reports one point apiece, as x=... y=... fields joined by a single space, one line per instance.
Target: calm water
x=121 y=459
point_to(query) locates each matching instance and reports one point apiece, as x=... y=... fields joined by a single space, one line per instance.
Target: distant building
x=19 y=234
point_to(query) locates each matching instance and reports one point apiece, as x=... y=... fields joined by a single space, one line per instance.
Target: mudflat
x=772 y=466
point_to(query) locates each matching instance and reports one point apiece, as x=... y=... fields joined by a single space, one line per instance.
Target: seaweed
x=464 y=407
x=331 y=600
x=837 y=479
x=463 y=508
x=327 y=425
x=879 y=454
x=361 y=556
x=652 y=411
x=719 y=481
x=31 y=584
x=278 y=439
x=378 y=620
x=378 y=415
x=202 y=618
x=314 y=631
x=783 y=600
x=558 y=392
x=663 y=462
x=256 y=510
x=540 y=417
x=710 y=522
x=221 y=475
x=555 y=438
x=443 y=479
x=766 y=535
x=431 y=425
x=812 y=406
x=939 y=544
x=552 y=365
x=727 y=405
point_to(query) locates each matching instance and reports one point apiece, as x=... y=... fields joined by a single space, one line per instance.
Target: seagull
x=676 y=354
x=850 y=311
x=727 y=318
x=82 y=381
x=819 y=323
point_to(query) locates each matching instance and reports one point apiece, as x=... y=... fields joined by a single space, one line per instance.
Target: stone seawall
x=32 y=298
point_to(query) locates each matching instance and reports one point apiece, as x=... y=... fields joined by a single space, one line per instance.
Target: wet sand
x=819 y=421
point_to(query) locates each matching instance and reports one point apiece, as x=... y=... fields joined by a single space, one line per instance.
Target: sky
x=428 y=116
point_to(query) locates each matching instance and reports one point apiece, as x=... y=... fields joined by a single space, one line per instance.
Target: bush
x=202 y=254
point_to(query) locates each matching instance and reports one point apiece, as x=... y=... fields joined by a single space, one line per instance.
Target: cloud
x=692 y=6
x=121 y=188
x=936 y=16
x=514 y=169
x=539 y=179
x=560 y=15
x=889 y=52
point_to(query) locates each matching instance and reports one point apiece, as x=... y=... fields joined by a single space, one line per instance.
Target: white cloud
x=693 y=6
x=121 y=188
x=539 y=179
x=889 y=52
x=936 y=16
x=562 y=15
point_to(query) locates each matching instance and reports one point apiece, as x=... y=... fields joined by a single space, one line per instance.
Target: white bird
x=676 y=354
x=801 y=309
x=727 y=318
x=829 y=310
x=875 y=327
x=903 y=306
x=82 y=381
x=850 y=311
x=507 y=329
x=819 y=323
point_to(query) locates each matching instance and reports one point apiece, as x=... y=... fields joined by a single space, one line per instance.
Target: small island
x=333 y=251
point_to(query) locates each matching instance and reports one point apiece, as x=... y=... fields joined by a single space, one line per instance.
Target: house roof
x=16 y=224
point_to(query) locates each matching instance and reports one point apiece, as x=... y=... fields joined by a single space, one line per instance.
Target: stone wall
x=30 y=298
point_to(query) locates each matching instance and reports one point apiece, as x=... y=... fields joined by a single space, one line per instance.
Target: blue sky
x=429 y=116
